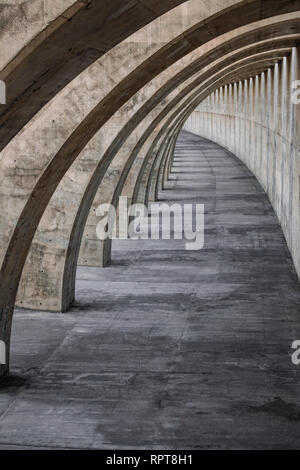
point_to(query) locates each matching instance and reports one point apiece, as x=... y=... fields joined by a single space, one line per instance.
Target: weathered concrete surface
x=169 y=348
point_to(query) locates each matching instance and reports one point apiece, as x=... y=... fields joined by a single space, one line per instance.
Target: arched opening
x=192 y=107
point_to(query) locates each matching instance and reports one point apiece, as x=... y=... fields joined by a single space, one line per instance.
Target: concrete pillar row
x=187 y=104
x=187 y=112
x=45 y=291
x=19 y=228
x=270 y=120
x=164 y=169
x=141 y=201
x=144 y=169
x=106 y=245
x=161 y=167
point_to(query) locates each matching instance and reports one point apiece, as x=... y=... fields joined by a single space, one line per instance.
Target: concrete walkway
x=168 y=348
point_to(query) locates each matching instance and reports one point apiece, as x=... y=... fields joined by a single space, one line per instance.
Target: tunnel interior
x=176 y=330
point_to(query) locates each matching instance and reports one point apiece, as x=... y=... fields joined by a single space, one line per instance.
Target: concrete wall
x=259 y=121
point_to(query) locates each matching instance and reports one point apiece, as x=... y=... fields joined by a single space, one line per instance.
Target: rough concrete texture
x=167 y=348
x=22 y=20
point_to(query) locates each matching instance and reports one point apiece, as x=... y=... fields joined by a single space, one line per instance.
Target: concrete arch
x=144 y=172
x=291 y=237
x=114 y=190
x=284 y=26
x=292 y=76
x=142 y=183
x=166 y=164
x=74 y=39
x=36 y=281
x=138 y=150
x=148 y=152
x=68 y=121
x=23 y=232
x=242 y=40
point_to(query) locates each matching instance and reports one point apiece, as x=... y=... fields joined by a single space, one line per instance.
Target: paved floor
x=170 y=348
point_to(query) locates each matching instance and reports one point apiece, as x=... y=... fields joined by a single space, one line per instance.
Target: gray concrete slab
x=168 y=348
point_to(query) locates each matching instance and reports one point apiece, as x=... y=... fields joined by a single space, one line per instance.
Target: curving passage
x=177 y=349
x=133 y=76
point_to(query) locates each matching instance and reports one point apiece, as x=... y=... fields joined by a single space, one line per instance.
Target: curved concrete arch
x=164 y=158
x=159 y=174
x=115 y=192
x=106 y=245
x=73 y=40
x=164 y=174
x=36 y=281
x=40 y=196
x=61 y=130
x=289 y=27
x=23 y=22
x=264 y=79
x=146 y=169
x=106 y=256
